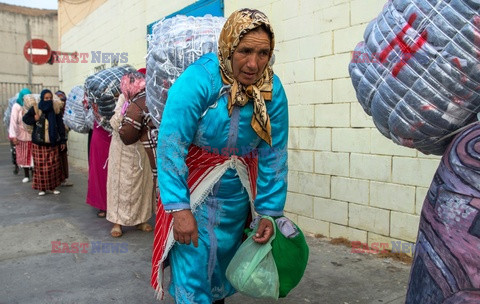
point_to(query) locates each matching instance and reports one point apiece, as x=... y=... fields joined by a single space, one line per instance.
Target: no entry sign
x=37 y=51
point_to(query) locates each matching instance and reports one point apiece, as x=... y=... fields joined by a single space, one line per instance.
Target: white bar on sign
x=37 y=52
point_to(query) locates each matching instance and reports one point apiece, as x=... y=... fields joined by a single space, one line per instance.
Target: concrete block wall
x=112 y=27
x=345 y=179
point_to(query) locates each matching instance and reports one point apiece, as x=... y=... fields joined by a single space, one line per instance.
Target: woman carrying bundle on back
x=225 y=123
x=48 y=138
x=130 y=192
x=20 y=137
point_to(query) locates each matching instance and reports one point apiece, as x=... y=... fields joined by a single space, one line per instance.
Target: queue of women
x=203 y=200
x=39 y=135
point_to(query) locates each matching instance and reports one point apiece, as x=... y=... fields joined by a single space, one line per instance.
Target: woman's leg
x=26 y=179
x=116 y=230
x=14 y=158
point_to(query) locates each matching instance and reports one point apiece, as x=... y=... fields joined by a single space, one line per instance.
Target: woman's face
x=251 y=56
x=47 y=97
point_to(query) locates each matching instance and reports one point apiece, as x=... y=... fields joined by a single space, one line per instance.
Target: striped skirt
x=24 y=154
x=47 y=173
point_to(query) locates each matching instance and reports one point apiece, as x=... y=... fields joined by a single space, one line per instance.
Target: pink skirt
x=24 y=154
x=98 y=168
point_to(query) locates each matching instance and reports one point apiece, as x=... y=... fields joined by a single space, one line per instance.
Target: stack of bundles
x=102 y=90
x=29 y=101
x=75 y=113
x=8 y=111
x=418 y=71
x=176 y=43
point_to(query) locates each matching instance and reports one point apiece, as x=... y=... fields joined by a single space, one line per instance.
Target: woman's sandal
x=101 y=213
x=144 y=227
x=116 y=231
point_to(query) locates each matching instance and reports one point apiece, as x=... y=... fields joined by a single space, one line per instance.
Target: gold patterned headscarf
x=237 y=25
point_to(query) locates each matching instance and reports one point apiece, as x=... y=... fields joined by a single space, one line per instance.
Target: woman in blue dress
x=222 y=151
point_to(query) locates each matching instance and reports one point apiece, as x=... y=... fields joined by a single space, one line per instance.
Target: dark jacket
x=29 y=119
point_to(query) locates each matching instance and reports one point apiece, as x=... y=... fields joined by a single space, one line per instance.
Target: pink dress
x=98 y=168
x=17 y=130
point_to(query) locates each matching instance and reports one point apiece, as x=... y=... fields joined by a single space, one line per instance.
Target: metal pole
x=30 y=72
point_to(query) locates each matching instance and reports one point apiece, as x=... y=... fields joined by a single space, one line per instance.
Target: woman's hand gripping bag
x=252 y=270
x=290 y=251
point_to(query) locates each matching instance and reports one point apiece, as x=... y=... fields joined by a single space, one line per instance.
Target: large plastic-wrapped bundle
x=417 y=72
x=174 y=44
x=75 y=113
x=8 y=111
x=29 y=101
x=102 y=90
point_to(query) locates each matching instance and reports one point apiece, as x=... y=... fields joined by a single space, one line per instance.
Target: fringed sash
x=205 y=170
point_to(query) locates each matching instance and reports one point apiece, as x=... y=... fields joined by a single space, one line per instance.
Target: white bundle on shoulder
x=75 y=115
x=417 y=72
x=174 y=44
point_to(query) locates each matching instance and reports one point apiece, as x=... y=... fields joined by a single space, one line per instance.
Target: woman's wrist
x=175 y=210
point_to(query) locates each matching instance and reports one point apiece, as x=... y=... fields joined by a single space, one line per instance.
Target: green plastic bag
x=291 y=258
x=252 y=270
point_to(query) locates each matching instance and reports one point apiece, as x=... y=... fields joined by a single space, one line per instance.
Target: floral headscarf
x=237 y=25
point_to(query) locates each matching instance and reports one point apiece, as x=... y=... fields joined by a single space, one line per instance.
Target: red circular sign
x=37 y=51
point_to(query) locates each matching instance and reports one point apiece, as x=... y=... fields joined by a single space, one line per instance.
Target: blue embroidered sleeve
x=272 y=161
x=187 y=99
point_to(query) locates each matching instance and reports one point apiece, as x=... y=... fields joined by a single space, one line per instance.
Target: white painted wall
x=115 y=27
x=346 y=179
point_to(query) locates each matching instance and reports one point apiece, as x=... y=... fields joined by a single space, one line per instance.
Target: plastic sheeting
x=102 y=90
x=417 y=72
x=174 y=44
x=8 y=111
x=75 y=114
x=29 y=101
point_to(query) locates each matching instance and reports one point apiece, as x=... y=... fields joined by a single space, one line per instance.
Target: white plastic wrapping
x=417 y=72
x=174 y=44
x=29 y=101
x=75 y=113
x=8 y=111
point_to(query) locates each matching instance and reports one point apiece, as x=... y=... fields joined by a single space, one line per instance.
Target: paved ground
x=31 y=273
